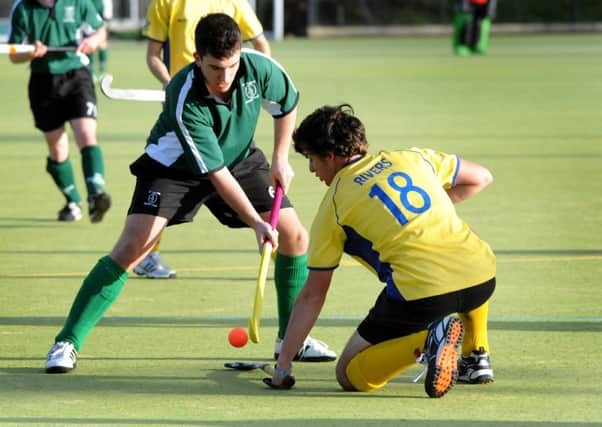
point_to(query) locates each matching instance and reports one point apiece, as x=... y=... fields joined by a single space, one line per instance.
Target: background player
x=472 y=24
x=61 y=90
x=393 y=212
x=170 y=33
x=105 y=10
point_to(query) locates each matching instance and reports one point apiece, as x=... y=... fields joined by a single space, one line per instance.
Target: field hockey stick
x=12 y=48
x=249 y=366
x=148 y=95
x=263 y=269
x=287 y=383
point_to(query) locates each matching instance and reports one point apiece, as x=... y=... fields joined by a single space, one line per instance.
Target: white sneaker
x=61 y=358
x=312 y=350
x=71 y=212
x=153 y=267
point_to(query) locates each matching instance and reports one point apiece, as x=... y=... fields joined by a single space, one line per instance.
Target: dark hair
x=218 y=35
x=331 y=129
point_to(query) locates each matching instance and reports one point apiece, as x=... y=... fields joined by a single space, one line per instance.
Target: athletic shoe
x=61 y=358
x=442 y=344
x=71 y=212
x=312 y=350
x=153 y=267
x=475 y=368
x=98 y=205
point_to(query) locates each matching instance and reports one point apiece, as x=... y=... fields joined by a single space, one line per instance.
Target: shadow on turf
x=213 y=322
x=278 y=422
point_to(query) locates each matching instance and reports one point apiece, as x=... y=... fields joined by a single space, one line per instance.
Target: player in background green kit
x=105 y=10
x=472 y=25
x=394 y=213
x=61 y=90
x=201 y=151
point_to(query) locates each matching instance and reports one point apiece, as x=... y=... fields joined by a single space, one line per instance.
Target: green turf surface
x=530 y=111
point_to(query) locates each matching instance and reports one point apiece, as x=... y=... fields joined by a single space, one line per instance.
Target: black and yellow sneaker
x=442 y=344
x=475 y=368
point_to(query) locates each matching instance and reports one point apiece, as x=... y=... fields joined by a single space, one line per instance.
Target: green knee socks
x=94 y=169
x=98 y=291
x=290 y=276
x=62 y=175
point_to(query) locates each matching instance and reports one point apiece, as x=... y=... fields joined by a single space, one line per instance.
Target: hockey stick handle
x=276 y=206
x=12 y=48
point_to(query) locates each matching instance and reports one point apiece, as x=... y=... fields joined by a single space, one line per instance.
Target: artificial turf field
x=530 y=111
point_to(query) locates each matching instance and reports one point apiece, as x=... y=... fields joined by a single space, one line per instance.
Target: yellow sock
x=375 y=366
x=475 y=329
x=157 y=246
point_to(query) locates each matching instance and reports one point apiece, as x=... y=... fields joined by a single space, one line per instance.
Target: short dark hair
x=218 y=35
x=331 y=129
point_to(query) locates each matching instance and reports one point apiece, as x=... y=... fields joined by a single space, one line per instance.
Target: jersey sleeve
x=279 y=94
x=247 y=20
x=445 y=166
x=90 y=15
x=107 y=10
x=157 y=21
x=18 y=25
x=327 y=239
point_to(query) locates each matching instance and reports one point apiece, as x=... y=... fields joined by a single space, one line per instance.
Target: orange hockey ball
x=238 y=337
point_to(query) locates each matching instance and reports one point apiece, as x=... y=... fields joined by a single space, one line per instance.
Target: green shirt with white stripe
x=198 y=134
x=65 y=24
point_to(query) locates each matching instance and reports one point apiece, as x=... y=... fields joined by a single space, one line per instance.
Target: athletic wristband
x=282 y=372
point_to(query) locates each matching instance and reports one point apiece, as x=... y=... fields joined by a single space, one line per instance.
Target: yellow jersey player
x=394 y=213
x=170 y=31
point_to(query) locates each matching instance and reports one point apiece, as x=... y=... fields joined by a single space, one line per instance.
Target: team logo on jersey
x=250 y=91
x=69 y=14
x=152 y=199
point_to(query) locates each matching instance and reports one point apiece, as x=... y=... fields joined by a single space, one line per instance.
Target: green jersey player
x=61 y=90
x=201 y=151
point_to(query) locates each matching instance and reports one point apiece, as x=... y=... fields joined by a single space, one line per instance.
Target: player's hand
x=282 y=379
x=265 y=233
x=41 y=50
x=281 y=173
x=87 y=46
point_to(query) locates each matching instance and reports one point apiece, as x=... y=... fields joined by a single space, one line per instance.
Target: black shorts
x=57 y=98
x=163 y=192
x=391 y=318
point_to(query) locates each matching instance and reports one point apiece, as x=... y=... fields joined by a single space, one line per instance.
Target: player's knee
x=342 y=378
x=352 y=377
x=293 y=240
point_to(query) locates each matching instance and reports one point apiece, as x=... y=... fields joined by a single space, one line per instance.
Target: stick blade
x=247 y=366
x=259 y=291
x=146 y=95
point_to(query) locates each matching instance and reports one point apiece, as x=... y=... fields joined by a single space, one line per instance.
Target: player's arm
x=281 y=170
x=305 y=313
x=261 y=44
x=471 y=179
x=90 y=44
x=19 y=58
x=155 y=62
x=231 y=192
